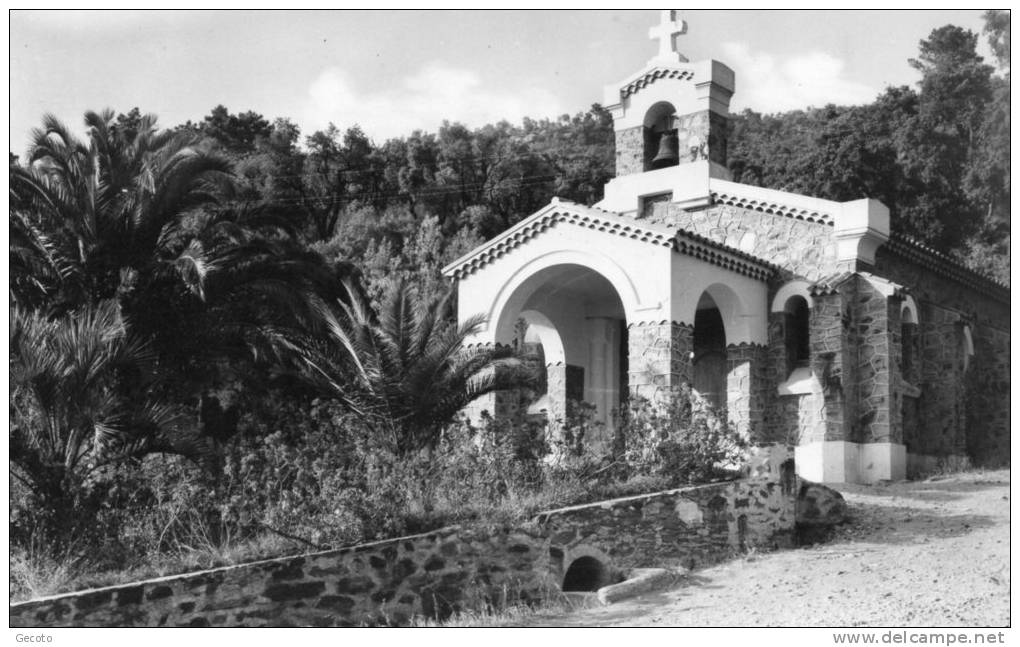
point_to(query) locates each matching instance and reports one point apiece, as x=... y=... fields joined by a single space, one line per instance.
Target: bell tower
x=670 y=120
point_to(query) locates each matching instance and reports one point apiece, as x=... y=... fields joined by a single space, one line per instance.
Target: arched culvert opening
x=586 y=574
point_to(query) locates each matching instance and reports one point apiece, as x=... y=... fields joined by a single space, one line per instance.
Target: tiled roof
x=708 y=250
x=557 y=211
x=593 y=218
x=758 y=199
x=653 y=75
x=829 y=284
x=945 y=265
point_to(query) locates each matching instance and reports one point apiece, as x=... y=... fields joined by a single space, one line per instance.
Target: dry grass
x=34 y=574
x=509 y=615
x=195 y=546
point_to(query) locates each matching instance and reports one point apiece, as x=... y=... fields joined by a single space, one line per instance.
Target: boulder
x=818 y=505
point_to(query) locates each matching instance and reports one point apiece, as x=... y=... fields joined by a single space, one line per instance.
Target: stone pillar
x=747 y=390
x=630 y=151
x=659 y=357
x=830 y=359
x=500 y=405
x=874 y=423
x=556 y=391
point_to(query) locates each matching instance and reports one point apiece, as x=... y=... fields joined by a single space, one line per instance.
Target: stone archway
x=577 y=316
x=726 y=362
x=709 y=366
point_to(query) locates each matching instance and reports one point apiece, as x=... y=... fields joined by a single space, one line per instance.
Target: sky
x=395 y=71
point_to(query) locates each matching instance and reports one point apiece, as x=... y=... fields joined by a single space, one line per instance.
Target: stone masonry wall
x=630 y=151
x=437 y=573
x=987 y=398
x=747 y=388
x=658 y=357
x=930 y=417
x=942 y=404
x=802 y=249
x=832 y=359
x=956 y=411
x=875 y=318
x=689 y=527
x=382 y=583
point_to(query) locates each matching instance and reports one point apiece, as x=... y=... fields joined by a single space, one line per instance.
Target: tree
x=238 y=133
x=142 y=221
x=997 y=28
x=99 y=213
x=71 y=418
x=938 y=143
x=338 y=171
x=404 y=370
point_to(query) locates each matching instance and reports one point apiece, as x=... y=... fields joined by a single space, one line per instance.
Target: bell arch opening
x=573 y=318
x=662 y=147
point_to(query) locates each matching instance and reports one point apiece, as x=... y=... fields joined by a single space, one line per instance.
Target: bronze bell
x=669 y=151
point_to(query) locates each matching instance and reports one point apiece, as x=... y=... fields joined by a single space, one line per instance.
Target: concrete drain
x=588 y=581
x=639 y=580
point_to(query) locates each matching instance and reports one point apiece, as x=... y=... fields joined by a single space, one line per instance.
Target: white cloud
x=420 y=101
x=766 y=83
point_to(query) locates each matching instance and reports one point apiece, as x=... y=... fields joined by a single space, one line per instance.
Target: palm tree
x=70 y=416
x=90 y=210
x=145 y=217
x=405 y=370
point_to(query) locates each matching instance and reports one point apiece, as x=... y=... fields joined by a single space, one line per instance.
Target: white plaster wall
x=686 y=182
x=715 y=79
x=838 y=461
x=742 y=301
x=639 y=271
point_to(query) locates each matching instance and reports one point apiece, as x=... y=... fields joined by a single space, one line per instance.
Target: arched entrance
x=572 y=317
x=709 y=361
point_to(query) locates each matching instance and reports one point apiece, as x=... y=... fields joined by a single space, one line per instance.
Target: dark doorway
x=710 y=354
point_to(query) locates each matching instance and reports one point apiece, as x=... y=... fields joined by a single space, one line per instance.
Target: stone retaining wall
x=437 y=573
x=382 y=583
x=688 y=527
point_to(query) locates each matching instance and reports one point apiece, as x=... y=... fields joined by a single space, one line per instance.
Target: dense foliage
x=937 y=156
x=228 y=340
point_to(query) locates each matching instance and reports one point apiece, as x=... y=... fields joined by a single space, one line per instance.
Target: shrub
x=683 y=439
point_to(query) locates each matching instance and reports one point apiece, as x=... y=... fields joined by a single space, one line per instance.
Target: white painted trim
x=968 y=346
x=556 y=212
x=594 y=262
x=839 y=461
x=548 y=336
x=779 y=202
x=802 y=381
x=909 y=307
x=792 y=289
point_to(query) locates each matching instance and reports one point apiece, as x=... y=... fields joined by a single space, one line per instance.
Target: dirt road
x=922 y=553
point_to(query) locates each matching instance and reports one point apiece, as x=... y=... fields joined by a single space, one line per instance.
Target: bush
x=302 y=474
x=683 y=440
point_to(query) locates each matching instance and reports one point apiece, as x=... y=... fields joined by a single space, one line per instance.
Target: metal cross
x=671 y=26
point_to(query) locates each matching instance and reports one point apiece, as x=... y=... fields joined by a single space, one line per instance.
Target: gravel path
x=922 y=553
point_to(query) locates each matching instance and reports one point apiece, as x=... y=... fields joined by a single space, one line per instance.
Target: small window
x=908 y=339
x=650 y=202
x=967 y=342
x=798 y=335
x=908 y=335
